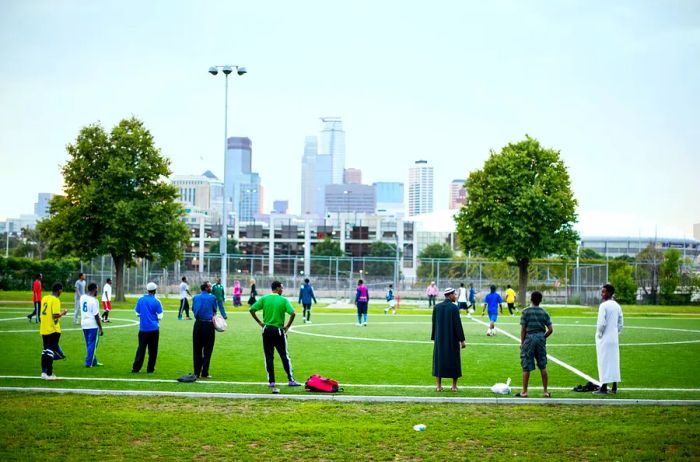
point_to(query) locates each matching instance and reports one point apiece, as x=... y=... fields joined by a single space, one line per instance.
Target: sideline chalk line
x=571 y=368
x=382 y=399
x=358 y=385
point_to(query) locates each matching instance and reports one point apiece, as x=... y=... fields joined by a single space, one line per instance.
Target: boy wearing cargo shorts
x=535 y=327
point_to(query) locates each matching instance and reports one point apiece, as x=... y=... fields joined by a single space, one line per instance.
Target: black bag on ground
x=187 y=378
x=588 y=387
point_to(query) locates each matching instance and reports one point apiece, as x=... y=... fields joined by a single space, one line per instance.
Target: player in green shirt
x=274 y=332
x=218 y=291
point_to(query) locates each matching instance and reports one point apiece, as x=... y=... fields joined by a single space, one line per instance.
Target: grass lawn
x=390 y=356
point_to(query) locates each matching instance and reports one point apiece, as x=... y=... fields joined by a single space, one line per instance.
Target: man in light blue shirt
x=150 y=312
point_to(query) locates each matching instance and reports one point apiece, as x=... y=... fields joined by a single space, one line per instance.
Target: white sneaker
x=309 y=322
x=364 y=324
x=44 y=376
x=52 y=377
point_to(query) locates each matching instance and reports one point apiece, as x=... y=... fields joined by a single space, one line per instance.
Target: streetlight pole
x=223 y=245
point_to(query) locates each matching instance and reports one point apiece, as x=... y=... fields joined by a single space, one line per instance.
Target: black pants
x=150 y=340
x=184 y=306
x=431 y=300
x=50 y=352
x=307 y=311
x=203 y=336
x=275 y=338
x=511 y=308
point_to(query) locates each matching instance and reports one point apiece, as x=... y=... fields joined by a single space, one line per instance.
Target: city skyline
x=615 y=88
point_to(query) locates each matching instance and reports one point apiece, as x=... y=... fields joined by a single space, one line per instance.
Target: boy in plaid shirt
x=535 y=327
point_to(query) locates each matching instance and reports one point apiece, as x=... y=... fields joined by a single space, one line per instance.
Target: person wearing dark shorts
x=535 y=327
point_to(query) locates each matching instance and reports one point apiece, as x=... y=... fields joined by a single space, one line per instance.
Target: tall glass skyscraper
x=420 y=188
x=333 y=144
x=244 y=189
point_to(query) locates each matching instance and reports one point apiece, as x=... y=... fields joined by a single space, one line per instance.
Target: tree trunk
x=522 y=281
x=118 y=278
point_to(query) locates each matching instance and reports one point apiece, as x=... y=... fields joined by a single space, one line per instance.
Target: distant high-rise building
x=41 y=207
x=245 y=192
x=308 y=175
x=280 y=207
x=350 y=198
x=200 y=195
x=390 y=198
x=333 y=144
x=458 y=194
x=420 y=188
x=324 y=174
x=352 y=176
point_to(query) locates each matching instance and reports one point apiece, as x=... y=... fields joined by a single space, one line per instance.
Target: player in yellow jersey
x=510 y=300
x=50 y=329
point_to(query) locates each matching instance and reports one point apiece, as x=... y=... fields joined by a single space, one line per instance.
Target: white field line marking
x=298 y=330
x=550 y=357
x=15 y=319
x=65 y=329
x=385 y=399
x=358 y=385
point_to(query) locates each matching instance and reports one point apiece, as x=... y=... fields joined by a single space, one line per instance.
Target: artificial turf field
x=391 y=356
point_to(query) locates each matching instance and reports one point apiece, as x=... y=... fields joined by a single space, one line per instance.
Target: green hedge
x=19 y=273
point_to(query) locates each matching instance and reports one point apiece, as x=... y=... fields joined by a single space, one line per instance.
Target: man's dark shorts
x=534 y=348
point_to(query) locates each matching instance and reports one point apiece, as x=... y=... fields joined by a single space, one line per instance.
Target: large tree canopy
x=117 y=200
x=520 y=206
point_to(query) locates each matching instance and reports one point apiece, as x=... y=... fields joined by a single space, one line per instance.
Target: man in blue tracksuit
x=306 y=295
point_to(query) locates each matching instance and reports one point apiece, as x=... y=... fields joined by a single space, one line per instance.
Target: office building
x=358 y=198
x=41 y=207
x=280 y=207
x=244 y=190
x=308 y=176
x=352 y=176
x=458 y=194
x=333 y=145
x=420 y=188
x=390 y=198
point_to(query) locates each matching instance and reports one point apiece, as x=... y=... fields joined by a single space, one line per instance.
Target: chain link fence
x=336 y=277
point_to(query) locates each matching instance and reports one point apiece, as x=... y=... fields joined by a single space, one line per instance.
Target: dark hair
x=493 y=288
x=360 y=282
x=56 y=287
x=38 y=275
x=80 y=274
x=92 y=286
x=461 y=284
x=275 y=285
x=508 y=286
x=306 y=280
x=109 y=280
x=536 y=298
x=610 y=288
x=391 y=285
x=184 y=278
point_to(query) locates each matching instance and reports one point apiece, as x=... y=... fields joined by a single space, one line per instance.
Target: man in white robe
x=607 y=345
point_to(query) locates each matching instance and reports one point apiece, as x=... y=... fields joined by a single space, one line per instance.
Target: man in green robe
x=448 y=337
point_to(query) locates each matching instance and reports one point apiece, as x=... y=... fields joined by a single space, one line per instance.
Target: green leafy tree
x=648 y=267
x=669 y=273
x=622 y=278
x=429 y=257
x=117 y=202
x=322 y=256
x=385 y=266
x=590 y=254
x=520 y=206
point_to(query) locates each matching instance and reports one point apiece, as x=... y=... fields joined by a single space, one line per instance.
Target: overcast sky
x=615 y=86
